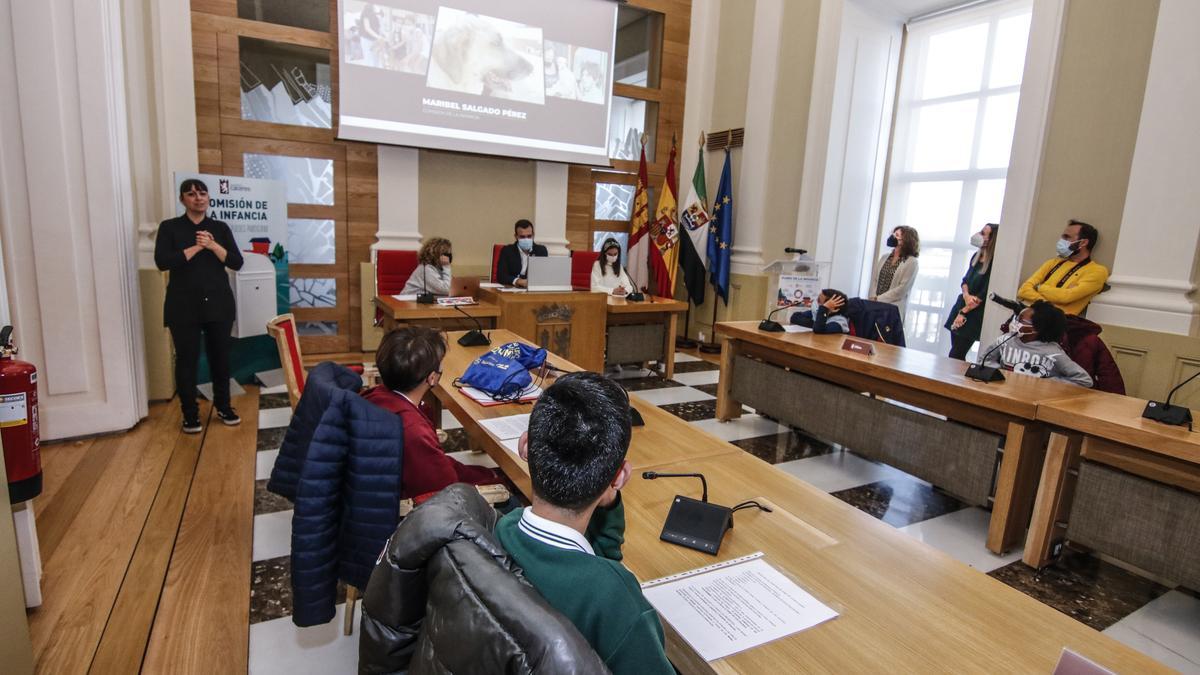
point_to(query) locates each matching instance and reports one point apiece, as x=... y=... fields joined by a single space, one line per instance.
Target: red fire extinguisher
x=19 y=422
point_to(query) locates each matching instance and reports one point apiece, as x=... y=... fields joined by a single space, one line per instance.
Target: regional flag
x=720 y=234
x=638 y=258
x=665 y=231
x=693 y=249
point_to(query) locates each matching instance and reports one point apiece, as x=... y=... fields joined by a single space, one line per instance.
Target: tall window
x=959 y=86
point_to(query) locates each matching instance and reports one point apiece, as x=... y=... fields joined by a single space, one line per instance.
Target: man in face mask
x=1071 y=279
x=513 y=265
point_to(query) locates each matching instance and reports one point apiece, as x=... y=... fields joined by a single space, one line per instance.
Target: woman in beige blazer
x=896 y=271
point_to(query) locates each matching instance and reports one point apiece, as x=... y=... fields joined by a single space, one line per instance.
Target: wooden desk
x=929 y=382
x=665 y=438
x=402 y=312
x=903 y=606
x=632 y=327
x=570 y=324
x=1109 y=429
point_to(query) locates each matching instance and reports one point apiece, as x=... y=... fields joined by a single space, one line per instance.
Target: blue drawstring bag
x=502 y=378
x=526 y=355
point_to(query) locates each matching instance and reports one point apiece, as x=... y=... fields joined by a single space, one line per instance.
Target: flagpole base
x=685 y=342
x=710 y=347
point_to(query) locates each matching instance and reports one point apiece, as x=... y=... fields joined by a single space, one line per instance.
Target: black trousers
x=959 y=345
x=217 y=343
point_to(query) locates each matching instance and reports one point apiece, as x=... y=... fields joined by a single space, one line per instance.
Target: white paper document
x=511 y=445
x=733 y=606
x=508 y=427
x=788 y=328
x=490 y=284
x=410 y=297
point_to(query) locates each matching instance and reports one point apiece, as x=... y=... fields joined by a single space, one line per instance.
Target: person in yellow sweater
x=1070 y=280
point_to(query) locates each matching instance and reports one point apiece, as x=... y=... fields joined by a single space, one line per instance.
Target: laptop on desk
x=464 y=287
x=551 y=273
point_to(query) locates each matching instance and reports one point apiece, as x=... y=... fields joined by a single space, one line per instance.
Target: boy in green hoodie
x=569 y=542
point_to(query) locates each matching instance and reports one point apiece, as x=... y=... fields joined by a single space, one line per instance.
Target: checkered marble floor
x=1156 y=620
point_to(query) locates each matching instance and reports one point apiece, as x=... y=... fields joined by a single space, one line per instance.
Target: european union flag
x=720 y=234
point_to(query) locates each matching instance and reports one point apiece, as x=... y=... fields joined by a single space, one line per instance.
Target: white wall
x=66 y=214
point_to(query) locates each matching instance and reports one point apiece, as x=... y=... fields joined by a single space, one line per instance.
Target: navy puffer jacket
x=347 y=502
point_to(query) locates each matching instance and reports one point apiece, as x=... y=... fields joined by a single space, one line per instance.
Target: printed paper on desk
x=736 y=607
x=510 y=444
x=410 y=297
x=508 y=427
x=456 y=301
x=796 y=329
x=490 y=284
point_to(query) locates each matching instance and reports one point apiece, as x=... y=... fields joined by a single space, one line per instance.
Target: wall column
x=399 y=193
x=1154 y=275
x=67 y=214
x=550 y=206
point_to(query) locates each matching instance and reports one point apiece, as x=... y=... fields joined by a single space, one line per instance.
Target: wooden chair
x=283 y=329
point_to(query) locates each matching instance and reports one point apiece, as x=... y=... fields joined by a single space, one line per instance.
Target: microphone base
x=696 y=525
x=635 y=297
x=770 y=326
x=984 y=373
x=425 y=299
x=474 y=338
x=1175 y=415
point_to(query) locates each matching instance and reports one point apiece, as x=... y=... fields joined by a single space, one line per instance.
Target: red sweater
x=427 y=468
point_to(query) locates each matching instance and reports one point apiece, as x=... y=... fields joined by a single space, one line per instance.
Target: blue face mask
x=525 y=244
x=1063 y=248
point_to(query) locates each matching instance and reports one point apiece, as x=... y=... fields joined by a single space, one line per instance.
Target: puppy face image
x=474 y=55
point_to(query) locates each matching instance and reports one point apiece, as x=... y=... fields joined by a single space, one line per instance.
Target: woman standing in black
x=965 y=322
x=196 y=249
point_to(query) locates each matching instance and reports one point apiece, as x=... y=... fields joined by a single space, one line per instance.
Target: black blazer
x=198 y=291
x=508 y=269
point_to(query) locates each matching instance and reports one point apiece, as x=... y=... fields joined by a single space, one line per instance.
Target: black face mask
x=891 y=241
x=449 y=258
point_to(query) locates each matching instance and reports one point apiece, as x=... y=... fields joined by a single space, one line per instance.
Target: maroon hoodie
x=1083 y=344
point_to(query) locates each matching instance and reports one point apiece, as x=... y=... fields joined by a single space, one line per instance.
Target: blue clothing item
x=347 y=502
x=322 y=380
x=821 y=321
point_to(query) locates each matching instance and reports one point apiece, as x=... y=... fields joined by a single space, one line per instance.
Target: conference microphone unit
x=474 y=337
x=982 y=373
x=773 y=326
x=797 y=251
x=694 y=524
x=1177 y=415
x=425 y=297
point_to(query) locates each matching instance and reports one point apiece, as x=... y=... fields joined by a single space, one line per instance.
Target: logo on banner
x=223 y=186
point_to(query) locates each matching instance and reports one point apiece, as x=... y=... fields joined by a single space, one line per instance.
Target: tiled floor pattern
x=1156 y=620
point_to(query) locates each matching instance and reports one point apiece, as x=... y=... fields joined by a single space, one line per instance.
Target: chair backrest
x=287 y=341
x=581 y=268
x=496 y=259
x=392 y=270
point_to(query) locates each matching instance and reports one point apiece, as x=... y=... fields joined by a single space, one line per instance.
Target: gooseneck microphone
x=425 y=297
x=651 y=475
x=472 y=338
x=982 y=373
x=1178 y=415
x=798 y=251
x=773 y=326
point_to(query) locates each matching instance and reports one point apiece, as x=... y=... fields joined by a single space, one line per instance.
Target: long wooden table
x=408 y=312
x=1109 y=429
x=903 y=606
x=656 y=313
x=926 y=381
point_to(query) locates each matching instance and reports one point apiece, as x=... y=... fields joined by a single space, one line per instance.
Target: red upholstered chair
x=581 y=269
x=283 y=329
x=496 y=259
x=392 y=270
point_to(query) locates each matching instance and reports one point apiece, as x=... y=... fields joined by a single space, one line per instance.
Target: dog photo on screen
x=483 y=55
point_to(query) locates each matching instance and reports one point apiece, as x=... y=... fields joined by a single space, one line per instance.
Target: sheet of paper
x=789 y=328
x=509 y=289
x=410 y=297
x=734 y=608
x=508 y=427
x=511 y=446
x=490 y=284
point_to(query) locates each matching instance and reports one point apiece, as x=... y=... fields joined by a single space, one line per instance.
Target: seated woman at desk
x=828 y=316
x=432 y=274
x=607 y=274
x=1031 y=347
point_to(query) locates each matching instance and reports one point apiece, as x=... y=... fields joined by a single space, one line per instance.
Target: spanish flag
x=665 y=231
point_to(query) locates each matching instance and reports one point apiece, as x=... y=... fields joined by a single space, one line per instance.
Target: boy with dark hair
x=829 y=314
x=410 y=364
x=569 y=542
x=1034 y=350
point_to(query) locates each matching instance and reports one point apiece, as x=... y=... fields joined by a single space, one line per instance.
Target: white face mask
x=977 y=240
x=612 y=258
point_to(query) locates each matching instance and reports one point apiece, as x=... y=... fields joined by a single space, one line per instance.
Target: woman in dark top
x=965 y=322
x=196 y=249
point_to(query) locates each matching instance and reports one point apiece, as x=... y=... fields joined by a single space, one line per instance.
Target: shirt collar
x=406 y=398
x=553 y=534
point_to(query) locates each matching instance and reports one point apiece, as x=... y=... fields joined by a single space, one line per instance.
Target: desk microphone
x=694 y=524
x=773 y=326
x=472 y=338
x=1178 y=415
x=978 y=371
x=1013 y=305
x=425 y=297
x=651 y=475
x=798 y=251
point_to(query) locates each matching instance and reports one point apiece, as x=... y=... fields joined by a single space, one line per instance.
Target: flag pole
x=684 y=341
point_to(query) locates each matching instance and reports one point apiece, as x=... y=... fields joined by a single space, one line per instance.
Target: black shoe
x=229 y=416
x=191 y=425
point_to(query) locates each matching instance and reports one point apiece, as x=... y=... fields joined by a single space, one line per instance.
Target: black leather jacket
x=446 y=598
